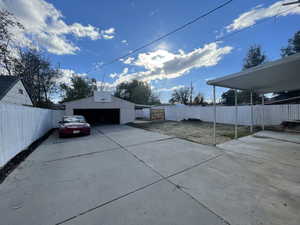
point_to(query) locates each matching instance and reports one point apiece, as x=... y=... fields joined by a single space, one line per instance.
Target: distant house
x=12 y=91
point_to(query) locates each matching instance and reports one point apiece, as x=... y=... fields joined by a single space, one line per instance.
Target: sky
x=81 y=36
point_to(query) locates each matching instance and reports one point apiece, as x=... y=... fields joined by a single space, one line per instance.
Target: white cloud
x=105 y=86
x=169 y=89
x=129 y=60
x=67 y=74
x=45 y=27
x=209 y=78
x=110 y=31
x=85 y=31
x=124 y=72
x=125 y=42
x=162 y=64
x=108 y=34
x=113 y=75
x=107 y=37
x=249 y=18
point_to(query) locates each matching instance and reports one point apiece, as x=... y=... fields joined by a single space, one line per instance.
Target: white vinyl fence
x=20 y=126
x=273 y=114
x=142 y=113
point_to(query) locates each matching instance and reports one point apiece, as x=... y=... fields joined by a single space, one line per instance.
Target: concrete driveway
x=123 y=175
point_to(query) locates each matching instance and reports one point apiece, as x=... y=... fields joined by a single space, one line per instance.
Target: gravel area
x=196 y=131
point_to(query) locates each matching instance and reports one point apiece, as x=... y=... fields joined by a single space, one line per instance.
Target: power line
x=245 y=29
x=291 y=3
x=250 y=27
x=216 y=40
x=167 y=34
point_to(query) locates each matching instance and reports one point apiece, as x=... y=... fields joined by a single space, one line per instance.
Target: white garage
x=102 y=108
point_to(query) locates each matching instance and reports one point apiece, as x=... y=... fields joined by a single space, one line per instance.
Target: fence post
x=236 y=115
x=263 y=111
x=215 y=115
x=251 y=111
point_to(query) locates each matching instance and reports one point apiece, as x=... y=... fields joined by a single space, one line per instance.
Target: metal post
x=215 y=115
x=236 y=115
x=263 y=112
x=298 y=118
x=251 y=105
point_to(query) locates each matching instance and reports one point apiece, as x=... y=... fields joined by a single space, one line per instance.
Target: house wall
x=14 y=97
x=127 y=111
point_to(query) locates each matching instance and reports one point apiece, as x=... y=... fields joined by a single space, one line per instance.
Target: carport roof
x=276 y=76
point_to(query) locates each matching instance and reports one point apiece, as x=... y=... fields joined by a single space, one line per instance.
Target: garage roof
x=279 y=75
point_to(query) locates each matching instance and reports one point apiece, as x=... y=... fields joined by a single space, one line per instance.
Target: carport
x=102 y=108
x=277 y=76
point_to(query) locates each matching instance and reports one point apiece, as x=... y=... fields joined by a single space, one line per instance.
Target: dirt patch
x=196 y=131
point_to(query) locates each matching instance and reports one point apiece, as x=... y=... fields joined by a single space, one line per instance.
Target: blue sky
x=79 y=35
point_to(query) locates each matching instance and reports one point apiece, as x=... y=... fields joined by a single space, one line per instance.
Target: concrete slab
x=48 y=193
x=267 y=148
x=54 y=139
x=160 y=204
x=127 y=136
x=284 y=136
x=63 y=150
x=108 y=129
x=173 y=155
x=246 y=190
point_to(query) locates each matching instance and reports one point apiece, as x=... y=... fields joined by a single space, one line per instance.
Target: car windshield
x=74 y=119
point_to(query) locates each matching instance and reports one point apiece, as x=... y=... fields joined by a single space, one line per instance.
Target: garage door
x=100 y=116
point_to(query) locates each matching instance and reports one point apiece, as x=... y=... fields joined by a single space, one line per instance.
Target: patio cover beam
x=276 y=76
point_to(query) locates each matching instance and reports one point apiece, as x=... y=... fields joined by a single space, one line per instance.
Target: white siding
x=22 y=125
x=127 y=111
x=13 y=96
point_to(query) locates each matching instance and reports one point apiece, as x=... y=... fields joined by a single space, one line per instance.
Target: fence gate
x=157 y=114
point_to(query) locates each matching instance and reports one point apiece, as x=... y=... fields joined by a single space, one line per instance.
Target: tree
x=80 y=87
x=243 y=97
x=199 y=100
x=181 y=96
x=293 y=46
x=38 y=75
x=185 y=96
x=35 y=70
x=7 y=58
x=136 y=91
x=254 y=57
x=228 y=97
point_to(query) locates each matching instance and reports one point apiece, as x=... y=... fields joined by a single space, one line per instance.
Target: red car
x=73 y=125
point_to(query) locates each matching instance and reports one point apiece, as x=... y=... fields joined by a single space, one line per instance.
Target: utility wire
x=250 y=27
x=217 y=39
x=167 y=34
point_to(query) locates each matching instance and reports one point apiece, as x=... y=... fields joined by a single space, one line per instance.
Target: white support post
x=215 y=116
x=263 y=112
x=236 y=115
x=251 y=105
